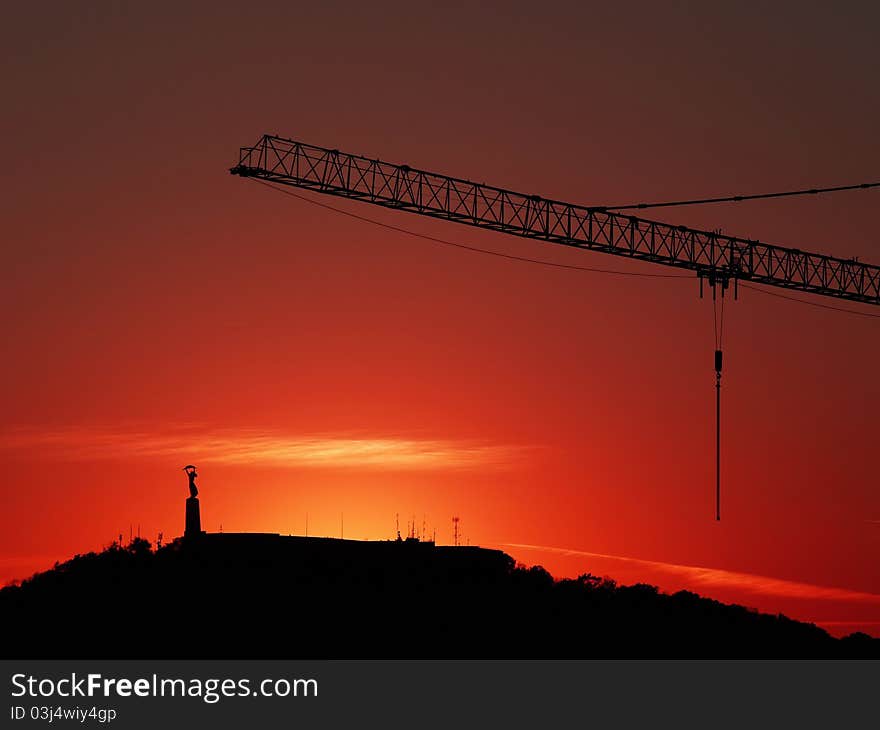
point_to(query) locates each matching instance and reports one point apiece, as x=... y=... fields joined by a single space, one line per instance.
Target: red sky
x=159 y=311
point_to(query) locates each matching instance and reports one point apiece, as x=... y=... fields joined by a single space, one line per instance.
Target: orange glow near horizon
x=160 y=312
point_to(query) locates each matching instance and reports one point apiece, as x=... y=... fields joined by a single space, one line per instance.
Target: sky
x=158 y=311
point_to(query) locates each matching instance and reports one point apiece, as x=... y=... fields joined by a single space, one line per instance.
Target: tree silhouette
x=264 y=596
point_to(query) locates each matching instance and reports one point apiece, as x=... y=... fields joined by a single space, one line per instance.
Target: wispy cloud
x=726 y=579
x=261 y=448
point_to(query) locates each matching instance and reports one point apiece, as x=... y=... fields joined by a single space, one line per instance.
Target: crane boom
x=710 y=254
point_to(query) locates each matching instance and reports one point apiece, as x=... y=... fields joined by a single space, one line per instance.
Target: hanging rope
x=718 y=326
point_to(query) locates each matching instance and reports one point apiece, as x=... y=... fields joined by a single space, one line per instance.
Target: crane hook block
x=718 y=358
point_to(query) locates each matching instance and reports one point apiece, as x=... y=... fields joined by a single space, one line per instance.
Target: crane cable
x=540 y=262
x=718 y=322
x=475 y=249
x=737 y=198
x=805 y=301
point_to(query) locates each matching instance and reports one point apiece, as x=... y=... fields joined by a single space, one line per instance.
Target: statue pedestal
x=193 y=518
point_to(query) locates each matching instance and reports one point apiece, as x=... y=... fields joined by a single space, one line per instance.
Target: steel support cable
x=738 y=198
x=540 y=262
x=475 y=249
x=798 y=300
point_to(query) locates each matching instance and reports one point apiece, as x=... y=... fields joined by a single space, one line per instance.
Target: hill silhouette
x=268 y=596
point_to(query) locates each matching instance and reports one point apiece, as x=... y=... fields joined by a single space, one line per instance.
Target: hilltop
x=268 y=596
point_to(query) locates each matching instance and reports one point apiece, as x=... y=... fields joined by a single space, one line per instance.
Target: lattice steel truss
x=712 y=255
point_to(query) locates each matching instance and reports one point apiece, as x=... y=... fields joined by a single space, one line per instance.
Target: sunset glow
x=158 y=311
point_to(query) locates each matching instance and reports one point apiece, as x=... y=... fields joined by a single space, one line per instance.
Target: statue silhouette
x=191 y=473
